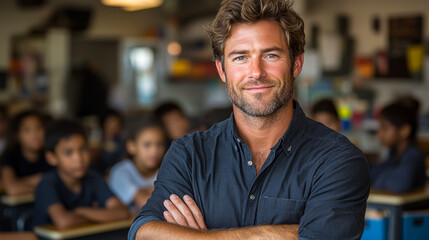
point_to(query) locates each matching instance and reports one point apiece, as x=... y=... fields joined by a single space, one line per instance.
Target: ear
x=131 y=147
x=297 y=66
x=51 y=158
x=405 y=131
x=220 y=70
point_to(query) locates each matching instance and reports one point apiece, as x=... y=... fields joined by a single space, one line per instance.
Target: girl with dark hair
x=23 y=161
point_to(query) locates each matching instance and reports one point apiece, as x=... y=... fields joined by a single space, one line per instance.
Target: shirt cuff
x=138 y=222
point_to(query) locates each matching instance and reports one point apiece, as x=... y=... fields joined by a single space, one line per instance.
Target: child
x=132 y=180
x=23 y=161
x=324 y=111
x=70 y=195
x=404 y=168
x=112 y=145
x=175 y=121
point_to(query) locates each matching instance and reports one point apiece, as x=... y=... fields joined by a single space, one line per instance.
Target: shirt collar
x=290 y=139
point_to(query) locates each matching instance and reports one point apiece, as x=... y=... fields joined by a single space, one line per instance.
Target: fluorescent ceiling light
x=133 y=5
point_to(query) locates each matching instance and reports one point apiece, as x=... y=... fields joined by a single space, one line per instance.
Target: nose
x=256 y=68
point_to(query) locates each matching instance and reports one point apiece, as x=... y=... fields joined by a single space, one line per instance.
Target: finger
x=168 y=217
x=175 y=213
x=195 y=211
x=184 y=209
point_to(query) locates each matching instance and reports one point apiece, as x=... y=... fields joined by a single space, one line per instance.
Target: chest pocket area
x=274 y=210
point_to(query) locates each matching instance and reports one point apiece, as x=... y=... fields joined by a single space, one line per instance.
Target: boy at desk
x=72 y=195
x=404 y=168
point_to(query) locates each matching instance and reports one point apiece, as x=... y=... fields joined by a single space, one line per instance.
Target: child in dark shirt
x=71 y=195
x=404 y=168
x=23 y=161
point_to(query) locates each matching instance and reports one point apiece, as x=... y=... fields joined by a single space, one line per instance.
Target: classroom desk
x=12 y=201
x=396 y=204
x=110 y=230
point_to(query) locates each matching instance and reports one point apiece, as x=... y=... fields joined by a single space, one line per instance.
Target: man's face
x=257 y=68
x=71 y=157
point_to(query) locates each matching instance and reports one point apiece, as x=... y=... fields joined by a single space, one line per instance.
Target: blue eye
x=271 y=56
x=240 y=58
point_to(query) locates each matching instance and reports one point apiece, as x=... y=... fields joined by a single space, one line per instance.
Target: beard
x=255 y=106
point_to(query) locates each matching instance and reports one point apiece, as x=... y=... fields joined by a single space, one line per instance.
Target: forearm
x=102 y=214
x=163 y=231
x=69 y=219
x=18 y=187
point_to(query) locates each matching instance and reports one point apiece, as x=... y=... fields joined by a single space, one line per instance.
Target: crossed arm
x=185 y=221
x=15 y=185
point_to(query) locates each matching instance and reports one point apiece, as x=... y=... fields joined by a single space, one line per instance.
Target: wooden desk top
x=385 y=197
x=17 y=200
x=52 y=232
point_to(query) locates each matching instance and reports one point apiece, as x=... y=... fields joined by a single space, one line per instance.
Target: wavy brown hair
x=251 y=11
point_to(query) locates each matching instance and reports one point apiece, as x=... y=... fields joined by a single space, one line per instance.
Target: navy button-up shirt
x=313 y=177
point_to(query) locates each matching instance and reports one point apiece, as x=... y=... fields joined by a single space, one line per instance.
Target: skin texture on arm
x=185 y=221
x=141 y=196
x=162 y=230
x=113 y=211
x=17 y=186
x=63 y=218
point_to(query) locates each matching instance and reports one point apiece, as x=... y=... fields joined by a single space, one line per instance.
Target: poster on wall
x=406 y=51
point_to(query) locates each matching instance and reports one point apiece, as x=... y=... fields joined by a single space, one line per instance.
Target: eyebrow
x=265 y=50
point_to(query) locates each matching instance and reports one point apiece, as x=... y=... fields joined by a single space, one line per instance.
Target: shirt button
x=252 y=197
x=249 y=163
x=235 y=147
x=238 y=140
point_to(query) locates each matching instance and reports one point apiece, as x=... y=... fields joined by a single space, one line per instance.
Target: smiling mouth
x=258 y=88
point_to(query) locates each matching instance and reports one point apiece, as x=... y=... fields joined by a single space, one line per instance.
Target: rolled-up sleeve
x=336 y=207
x=174 y=177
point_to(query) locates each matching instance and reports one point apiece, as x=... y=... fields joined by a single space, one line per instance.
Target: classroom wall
x=105 y=22
x=361 y=13
x=114 y=22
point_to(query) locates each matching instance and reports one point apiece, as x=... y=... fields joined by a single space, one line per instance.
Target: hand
x=184 y=213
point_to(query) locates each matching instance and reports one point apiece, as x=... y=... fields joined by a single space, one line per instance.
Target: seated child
x=324 y=111
x=112 y=143
x=71 y=195
x=132 y=180
x=23 y=160
x=404 y=168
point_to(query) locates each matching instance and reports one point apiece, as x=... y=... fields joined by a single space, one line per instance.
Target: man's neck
x=263 y=132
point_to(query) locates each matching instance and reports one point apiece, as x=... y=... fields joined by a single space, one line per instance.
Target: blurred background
x=80 y=57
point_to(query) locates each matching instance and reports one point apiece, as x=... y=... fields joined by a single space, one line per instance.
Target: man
x=268 y=172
